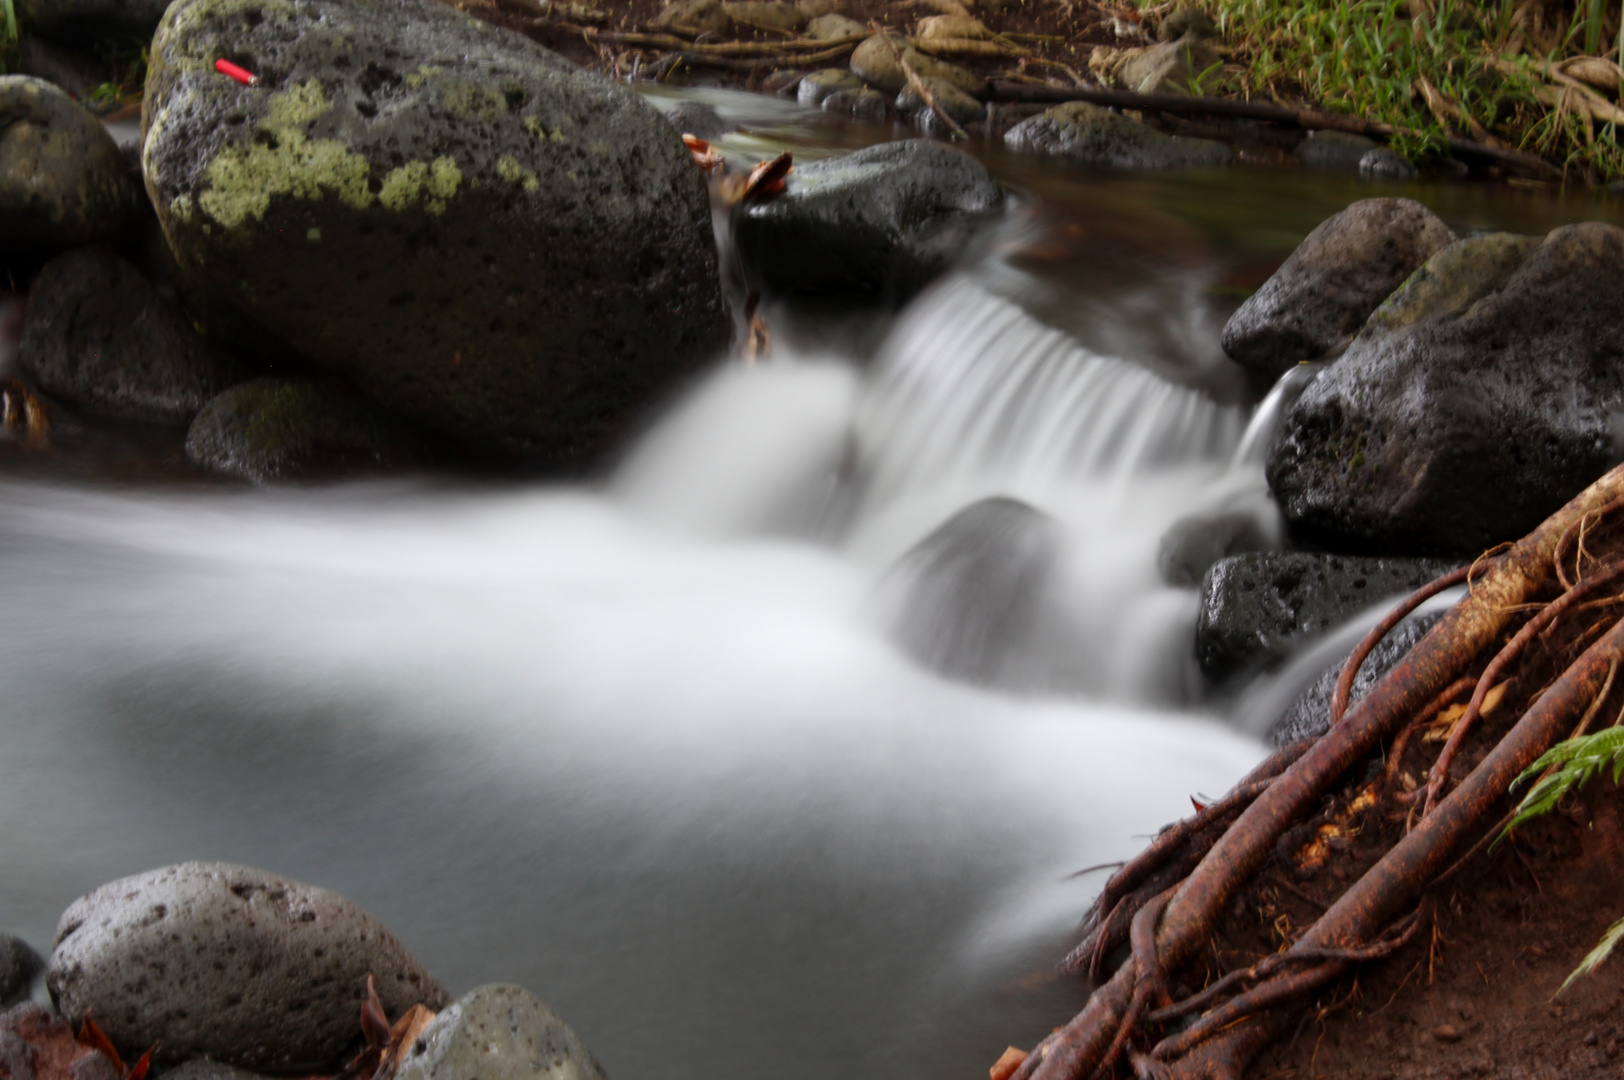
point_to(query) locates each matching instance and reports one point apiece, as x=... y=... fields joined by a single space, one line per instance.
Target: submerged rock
x=878 y=223
x=1095 y=136
x=86 y=22
x=1322 y=294
x=1384 y=163
x=1192 y=545
x=1255 y=608
x=499 y=1032
x=968 y=600
x=860 y=104
x=63 y=181
x=272 y=429
x=876 y=64
x=1334 y=151
x=228 y=962
x=485 y=238
x=1478 y=399
x=19 y=964
x=99 y=337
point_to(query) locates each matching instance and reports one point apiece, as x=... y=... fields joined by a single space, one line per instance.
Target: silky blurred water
x=648 y=745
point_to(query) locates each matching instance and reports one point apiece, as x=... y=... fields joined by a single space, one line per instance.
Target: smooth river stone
x=499 y=1032
x=232 y=963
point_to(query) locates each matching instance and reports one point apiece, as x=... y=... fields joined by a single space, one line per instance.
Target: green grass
x=1363 y=58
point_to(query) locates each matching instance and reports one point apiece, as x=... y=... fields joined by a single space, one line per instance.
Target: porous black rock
x=1309 y=716
x=63 y=181
x=485 y=238
x=1339 y=274
x=1255 y=608
x=1477 y=400
x=880 y=223
x=271 y=429
x=232 y=963
x=1092 y=135
x=499 y=1032
x=100 y=337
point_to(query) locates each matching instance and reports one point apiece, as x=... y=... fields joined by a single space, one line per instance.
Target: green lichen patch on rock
x=510 y=250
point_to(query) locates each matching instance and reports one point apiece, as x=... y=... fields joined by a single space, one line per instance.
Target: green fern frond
x=1604 y=949
x=1575 y=761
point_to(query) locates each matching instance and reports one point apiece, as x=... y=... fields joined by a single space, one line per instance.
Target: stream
x=650 y=746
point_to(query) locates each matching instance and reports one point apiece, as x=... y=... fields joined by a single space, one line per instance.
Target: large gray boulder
x=99 y=337
x=1096 y=136
x=877 y=223
x=86 y=22
x=499 y=1032
x=1255 y=608
x=1339 y=274
x=272 y=429
x=1478 y=399
x=228 y=962
x=485 y=238
x=63 y=181
x=18 y=966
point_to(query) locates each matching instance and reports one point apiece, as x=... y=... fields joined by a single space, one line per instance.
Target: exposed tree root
x=1545 y=643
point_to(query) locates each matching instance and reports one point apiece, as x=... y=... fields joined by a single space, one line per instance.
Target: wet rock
x=1094 y=136
x=485 y=238
x=833 y=27
x=19 y=964
x=1309 y=716
x=85 y=22
x=99 y=337
x=1191 y=545
x=693 y=15
x=961 y=107
x=876 y=64
x=968 y=600
x=499 y=1032
x=204 y=1069
x=879 y=223
x=1171 y=67
x=1334 y=151
x=814 y=88
x=1322 y=294
x=1383 y=163
x=1255 y=608
x=864 y=104
x=62 y=179
x=1478 y=399
x=698 y=119
x=228 y=962
x=772 y=15
x=270 y=429
x=1186 y=22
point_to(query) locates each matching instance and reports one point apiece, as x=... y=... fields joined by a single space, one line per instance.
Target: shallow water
x=644 y=746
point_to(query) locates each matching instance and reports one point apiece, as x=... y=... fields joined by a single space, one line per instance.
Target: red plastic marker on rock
x=227 y=68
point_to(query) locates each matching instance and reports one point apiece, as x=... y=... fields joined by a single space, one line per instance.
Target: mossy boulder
x=1320 y=297
x=482 y=236
x=1475 y=401
x=271 y=429
x=63 y=181
x=1091 y=135
x=876 y=224
x=100 y=337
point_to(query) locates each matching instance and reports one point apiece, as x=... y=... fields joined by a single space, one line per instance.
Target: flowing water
x=662 y=748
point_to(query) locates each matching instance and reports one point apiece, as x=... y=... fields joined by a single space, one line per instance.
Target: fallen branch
x=918 y=86
x=1306 y=119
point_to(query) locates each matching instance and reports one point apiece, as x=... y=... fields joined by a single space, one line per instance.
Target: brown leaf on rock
x=706 y=156
x=91 y=1035
x=764 y=182
x=386 y=1043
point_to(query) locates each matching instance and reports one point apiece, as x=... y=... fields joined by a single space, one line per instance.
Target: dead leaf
x=1443 y=725
x=706 y=156
x=757 y=343
x=94 y=1037
x=386 y=1043
x=1007 y=1063
x=764 y=182
x=22 y=414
